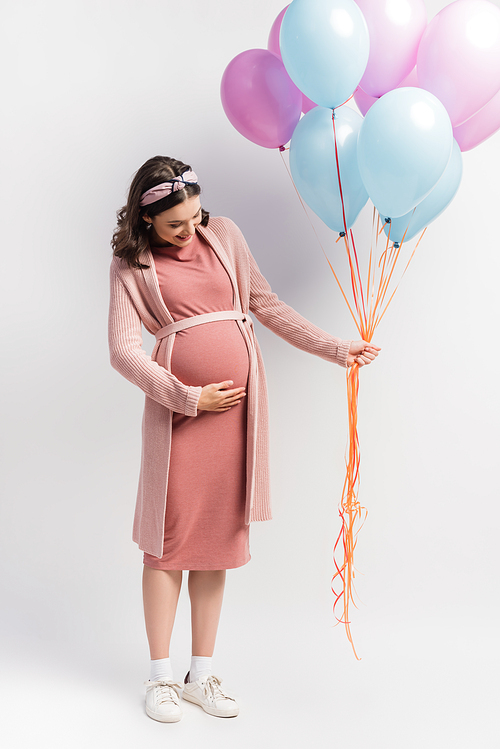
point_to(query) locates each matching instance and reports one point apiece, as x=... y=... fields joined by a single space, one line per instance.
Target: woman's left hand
x=361 y=353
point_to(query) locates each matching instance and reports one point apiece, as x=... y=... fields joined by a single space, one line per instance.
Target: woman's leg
x=160 y=590
x=206 y=591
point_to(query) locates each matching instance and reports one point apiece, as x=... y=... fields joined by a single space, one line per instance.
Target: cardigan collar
x=151 y=279
x=211 y=238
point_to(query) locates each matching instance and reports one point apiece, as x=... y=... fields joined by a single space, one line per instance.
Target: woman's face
x=177 y=225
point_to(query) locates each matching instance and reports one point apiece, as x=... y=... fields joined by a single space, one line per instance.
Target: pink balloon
x=480 y=126
x=273 y=43
x=459 y=57
x=365 y=101
x=273 y=46
x=395 y=28
x=307 y=104
x=259 y=98
x=410 y=80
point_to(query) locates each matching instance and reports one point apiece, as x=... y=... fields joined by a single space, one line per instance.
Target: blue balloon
x=404 y=147
x=314 y=167
x=433 y=205
x=324 y=46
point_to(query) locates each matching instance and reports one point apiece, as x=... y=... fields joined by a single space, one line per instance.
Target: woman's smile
x=165 y=226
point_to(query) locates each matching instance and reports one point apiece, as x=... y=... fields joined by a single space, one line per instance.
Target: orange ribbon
x=369 y=305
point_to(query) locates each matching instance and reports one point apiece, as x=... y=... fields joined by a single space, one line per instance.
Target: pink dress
x=205 y=519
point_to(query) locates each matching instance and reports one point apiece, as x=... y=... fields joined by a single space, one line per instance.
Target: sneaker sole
x=212 y=710
x=163 y=718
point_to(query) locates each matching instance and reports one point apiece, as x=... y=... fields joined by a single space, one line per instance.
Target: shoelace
x=168 y=690
x=212 y=687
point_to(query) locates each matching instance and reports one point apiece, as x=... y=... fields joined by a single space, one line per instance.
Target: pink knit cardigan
x=135 y=300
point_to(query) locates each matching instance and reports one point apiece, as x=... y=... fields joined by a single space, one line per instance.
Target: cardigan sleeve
x=288 y=324
x=130 y=360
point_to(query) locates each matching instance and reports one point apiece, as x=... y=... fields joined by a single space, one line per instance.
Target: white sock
x=161 y=669
x=200 y=666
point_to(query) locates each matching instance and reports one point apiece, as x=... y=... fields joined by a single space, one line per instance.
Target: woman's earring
x=148 y=225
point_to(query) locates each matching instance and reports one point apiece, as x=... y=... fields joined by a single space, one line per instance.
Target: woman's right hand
x=361 y=353
x=217 y=396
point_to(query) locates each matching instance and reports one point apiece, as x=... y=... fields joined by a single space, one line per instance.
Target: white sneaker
x=162 y=700
x=208 y=694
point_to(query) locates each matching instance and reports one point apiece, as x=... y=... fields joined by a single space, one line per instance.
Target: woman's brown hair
x=130 y=238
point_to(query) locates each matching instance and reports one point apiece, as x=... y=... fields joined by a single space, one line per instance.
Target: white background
x=91 y=89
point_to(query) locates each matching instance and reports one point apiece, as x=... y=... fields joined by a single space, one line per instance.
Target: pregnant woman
x=191 y=281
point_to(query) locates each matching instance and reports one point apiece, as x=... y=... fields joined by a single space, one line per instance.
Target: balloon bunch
x=426 y=93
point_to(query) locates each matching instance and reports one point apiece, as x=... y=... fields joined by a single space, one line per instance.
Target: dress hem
x=198 y=568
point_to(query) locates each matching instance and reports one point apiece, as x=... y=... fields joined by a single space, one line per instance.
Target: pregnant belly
x=209 y=353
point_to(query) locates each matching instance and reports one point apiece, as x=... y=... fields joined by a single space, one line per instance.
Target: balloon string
x=320 y=244
x=359 y=277
x=350 y=510
x=382 y=279
x=352 y=515
x=338 y=174
x=403 y=273
x=370 y=282
x=345 y=102
x=369 y=307
x=393 y=258
x=355 y=274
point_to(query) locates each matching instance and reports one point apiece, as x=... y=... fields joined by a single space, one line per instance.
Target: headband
x=172 y=185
